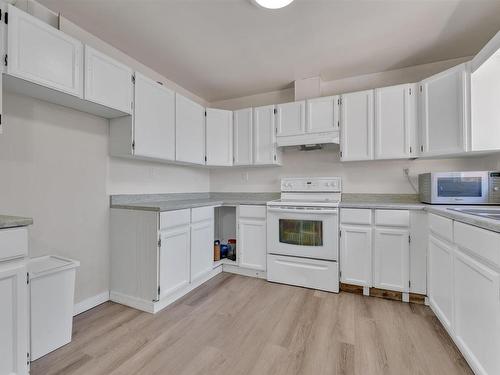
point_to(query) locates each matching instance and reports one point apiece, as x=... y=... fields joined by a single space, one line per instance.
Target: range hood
x=311 y=119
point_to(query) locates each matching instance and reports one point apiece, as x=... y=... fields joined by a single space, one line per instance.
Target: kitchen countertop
x=382 y=201
x=179 y=201
x=481 y=222
x=14 y=221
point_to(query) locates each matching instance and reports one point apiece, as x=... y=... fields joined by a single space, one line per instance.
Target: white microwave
x=481 y=187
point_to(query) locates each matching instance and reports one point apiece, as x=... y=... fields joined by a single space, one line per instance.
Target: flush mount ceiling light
x=272 y=4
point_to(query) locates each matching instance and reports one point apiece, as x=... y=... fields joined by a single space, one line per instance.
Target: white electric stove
x=303 y=233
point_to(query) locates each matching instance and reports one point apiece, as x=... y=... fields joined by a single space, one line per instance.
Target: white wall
x=54 y=167
x=358 y=177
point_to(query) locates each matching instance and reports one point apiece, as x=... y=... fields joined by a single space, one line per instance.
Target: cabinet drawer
x=392 y=218
x=13 y=243
x=202 y=214
x=257 y=212
x=356 y=216
x=170 y=219
x=482 y=242
x=441 y=226
x=309 y=273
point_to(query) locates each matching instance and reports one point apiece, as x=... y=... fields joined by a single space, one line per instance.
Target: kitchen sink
x=490 y=213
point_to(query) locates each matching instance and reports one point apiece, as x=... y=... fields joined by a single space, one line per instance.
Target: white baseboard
x=154 y=307
x=136 y=303
x=231 y=268
x=90 y=302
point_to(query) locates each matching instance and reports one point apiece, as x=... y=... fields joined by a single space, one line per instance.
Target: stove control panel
x=313 y=184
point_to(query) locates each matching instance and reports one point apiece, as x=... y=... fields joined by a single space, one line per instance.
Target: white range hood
x=311 y=119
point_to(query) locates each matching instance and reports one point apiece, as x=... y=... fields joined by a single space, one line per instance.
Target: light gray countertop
x=179 y=201
x=382 y=201
x=14 y=221
x=481 y=222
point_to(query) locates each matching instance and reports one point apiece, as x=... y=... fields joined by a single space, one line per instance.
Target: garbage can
x=52 y=289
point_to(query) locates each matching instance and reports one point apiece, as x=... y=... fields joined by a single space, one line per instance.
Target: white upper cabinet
x=264 y=128
x=154 y=120
x=356 y=126
x=243 y=137
x=323 y=114
x=190 y=131
x=443 y=117
x=219 y=139
x=13 y=319
x=485 y=91
x=39 y=53
x=291 y=118
x=107 y=81
x=395 y=118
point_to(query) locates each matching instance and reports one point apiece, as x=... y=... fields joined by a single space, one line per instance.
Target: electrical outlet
x=406 y=171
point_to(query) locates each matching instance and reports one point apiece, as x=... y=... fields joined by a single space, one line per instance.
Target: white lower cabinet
x=477 y=312
x=202 y=239
x=356 y=255
x=391 y=263
x=252 y=237
x=174 y=260
x=441 y=279
x=375 y=249
x=464 y=289
x=157 y=258
x=13 y=319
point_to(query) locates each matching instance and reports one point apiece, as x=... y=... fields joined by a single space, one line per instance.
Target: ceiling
x=221 y=49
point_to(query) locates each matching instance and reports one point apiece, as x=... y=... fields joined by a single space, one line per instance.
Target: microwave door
x=460 y=189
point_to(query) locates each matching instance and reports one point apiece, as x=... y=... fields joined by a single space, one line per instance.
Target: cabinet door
x=13 y=319
x=443 y=114
x=441 y=280
x=264 y=135
x=243 y=137
x=393 y=122
x=477 y=312
x=40 y=53
x=323 y=114
x=356 y=126
x=291 y=118
x=174 y=260
x=202 y=250
x=219 y=140
x=391 y=259
x=154 y=119
x=356 y=255
x=190 y=131
x=107 y=81
x=252 y=246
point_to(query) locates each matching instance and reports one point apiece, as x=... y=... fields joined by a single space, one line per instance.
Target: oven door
x=308 y=232
x=460 y=188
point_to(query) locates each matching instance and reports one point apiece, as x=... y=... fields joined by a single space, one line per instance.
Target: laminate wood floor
x=239 y=325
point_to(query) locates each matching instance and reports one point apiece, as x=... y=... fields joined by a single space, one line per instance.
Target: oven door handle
x=322 y=211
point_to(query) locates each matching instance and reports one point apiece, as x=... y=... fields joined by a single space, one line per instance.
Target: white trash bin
x=52 y=289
